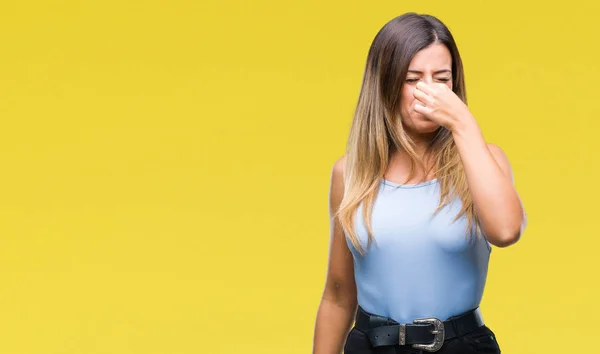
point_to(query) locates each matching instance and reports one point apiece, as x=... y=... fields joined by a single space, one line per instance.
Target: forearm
x=496 y=201
x=332 y=326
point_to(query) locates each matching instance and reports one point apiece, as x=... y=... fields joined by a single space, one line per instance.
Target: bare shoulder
x=501 y=159
x=336 y=192
x=496 y=150
x=339 y=166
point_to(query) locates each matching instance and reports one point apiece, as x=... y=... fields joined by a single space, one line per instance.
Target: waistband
x=425 y=333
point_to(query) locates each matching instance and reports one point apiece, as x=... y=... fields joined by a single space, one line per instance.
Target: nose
x=428 y=80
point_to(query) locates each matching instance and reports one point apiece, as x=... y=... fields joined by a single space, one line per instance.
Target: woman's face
x=431 y=64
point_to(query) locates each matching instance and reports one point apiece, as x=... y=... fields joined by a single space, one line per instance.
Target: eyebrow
x=437 y=72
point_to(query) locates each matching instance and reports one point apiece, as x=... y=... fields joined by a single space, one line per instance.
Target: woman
x=415 y=203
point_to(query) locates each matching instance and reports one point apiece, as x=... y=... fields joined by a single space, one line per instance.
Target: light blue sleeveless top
x=420 y=265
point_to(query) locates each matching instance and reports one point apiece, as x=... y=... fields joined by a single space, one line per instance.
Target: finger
x=423 y=97
x=419 y=108
x=421 y=102
x=424 y=87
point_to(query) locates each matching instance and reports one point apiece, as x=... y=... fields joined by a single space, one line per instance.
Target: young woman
x=416 y=203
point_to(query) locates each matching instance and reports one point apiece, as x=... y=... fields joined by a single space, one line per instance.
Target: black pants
x=482 y=340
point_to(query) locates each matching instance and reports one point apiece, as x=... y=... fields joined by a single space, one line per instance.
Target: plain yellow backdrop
x=166 y=164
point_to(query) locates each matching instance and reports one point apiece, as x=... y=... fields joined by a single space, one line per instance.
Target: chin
x=425 y=126
x=418 y=124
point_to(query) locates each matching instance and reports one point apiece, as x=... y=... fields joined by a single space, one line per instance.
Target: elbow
x=508 y=236
x=507 y=239
x=508 y=233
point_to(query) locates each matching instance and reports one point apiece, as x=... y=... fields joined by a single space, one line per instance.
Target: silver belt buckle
x=438 y=332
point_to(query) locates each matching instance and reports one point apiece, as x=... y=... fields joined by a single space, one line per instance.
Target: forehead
x=432 y=58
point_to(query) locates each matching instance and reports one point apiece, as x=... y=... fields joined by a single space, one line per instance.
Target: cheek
x=407 y=97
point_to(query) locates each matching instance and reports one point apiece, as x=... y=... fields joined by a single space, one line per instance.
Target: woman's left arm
x=491 y=183
x=489 y=175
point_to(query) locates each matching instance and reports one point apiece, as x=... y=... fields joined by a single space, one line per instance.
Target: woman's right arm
x=337 y=310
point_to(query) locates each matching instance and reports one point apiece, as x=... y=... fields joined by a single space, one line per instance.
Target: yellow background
x=166 y=164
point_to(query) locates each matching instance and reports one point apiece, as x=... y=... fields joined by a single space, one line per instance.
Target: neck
x=421 y=141
x=399 y=157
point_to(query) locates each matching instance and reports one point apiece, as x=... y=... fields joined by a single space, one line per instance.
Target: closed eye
x=440 y=79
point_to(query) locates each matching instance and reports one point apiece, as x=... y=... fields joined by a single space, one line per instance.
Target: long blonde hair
x=377 y=127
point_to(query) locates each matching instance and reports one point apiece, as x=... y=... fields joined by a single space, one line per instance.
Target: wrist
x=465 y=126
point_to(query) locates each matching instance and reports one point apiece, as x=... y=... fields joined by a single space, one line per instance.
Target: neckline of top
x=415 y=185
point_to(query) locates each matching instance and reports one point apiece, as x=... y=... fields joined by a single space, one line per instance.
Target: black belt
x=427 y=333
